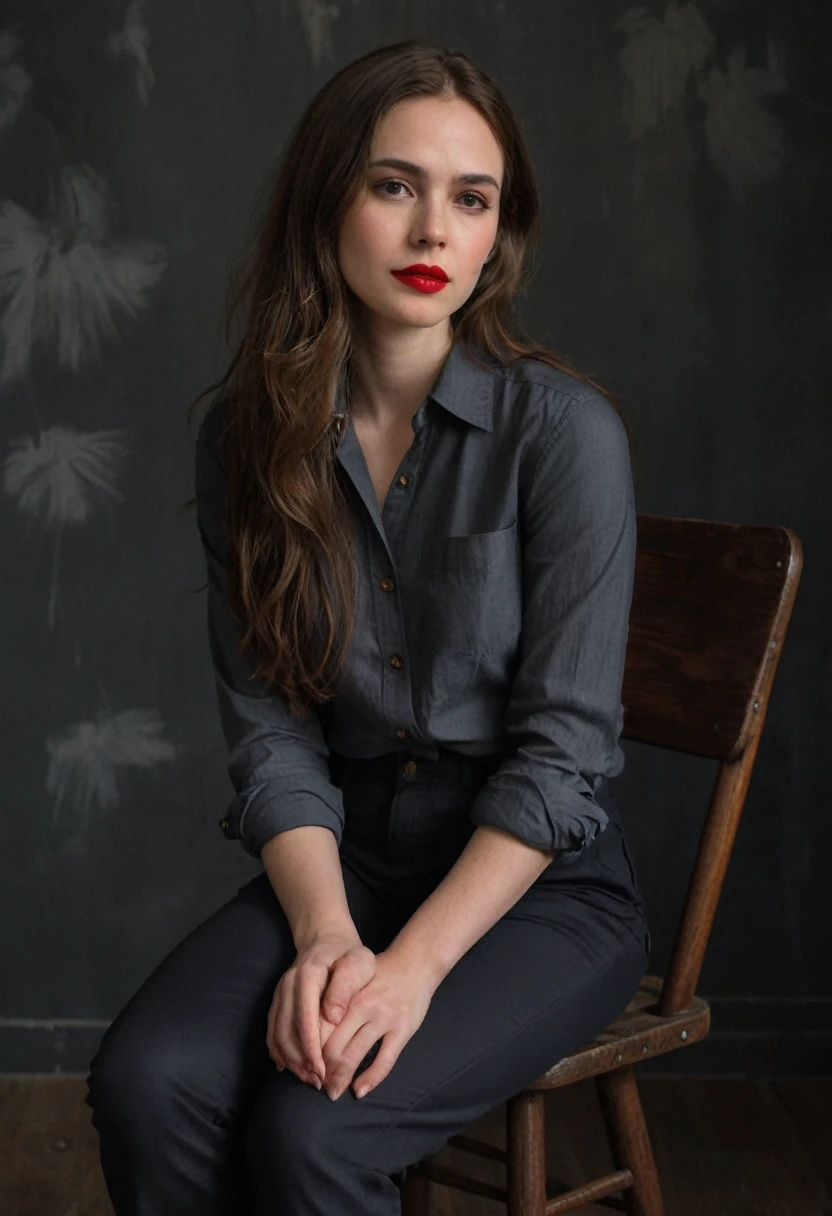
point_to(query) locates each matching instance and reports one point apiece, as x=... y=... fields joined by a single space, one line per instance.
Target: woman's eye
x=485 y=206
x=478 y=197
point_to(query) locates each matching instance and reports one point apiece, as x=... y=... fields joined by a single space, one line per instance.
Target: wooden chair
x=711 y=606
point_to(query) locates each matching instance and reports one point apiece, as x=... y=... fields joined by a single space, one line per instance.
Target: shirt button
x=401 y=733
x=410 y=767
x=396 y=661
x=387 y=584
x=404 y=479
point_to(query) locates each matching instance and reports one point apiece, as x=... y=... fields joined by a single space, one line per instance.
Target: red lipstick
x=422 y=278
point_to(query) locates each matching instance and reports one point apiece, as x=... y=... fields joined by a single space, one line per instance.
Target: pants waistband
x=449 y=765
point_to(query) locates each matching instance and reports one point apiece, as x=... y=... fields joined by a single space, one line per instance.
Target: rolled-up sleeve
x=278 y=765
x=564 y=714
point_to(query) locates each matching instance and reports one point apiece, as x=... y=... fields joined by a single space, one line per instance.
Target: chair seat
x=637 y=1034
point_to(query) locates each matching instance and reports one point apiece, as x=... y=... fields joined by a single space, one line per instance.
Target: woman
x=419 y=533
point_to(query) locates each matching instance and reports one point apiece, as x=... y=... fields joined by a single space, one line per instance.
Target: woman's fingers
x=299 y=1022
x=325 y=1029
x=282 y=1036
x=342 y=1066
x=308 y=1020
x=271 y=1021
x=391 y=1046
x=348 y=975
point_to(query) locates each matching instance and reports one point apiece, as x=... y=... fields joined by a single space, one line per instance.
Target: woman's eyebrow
x=469 y=179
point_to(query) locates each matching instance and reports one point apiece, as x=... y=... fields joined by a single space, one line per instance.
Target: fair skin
x=338 y=998
x=402 y=337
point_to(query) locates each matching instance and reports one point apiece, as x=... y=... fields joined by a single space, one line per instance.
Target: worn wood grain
x=723 y=1146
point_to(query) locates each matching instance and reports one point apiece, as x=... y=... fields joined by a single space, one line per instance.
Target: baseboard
x=43 y=1045
x=756 y=1037
x=750 y=1037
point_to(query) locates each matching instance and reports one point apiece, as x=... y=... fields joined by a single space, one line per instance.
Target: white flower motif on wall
x=64 y=282
x=15 y=82
x=131 y=42
x=744 y=140
x=660 y=54
x=85 y=759
x=60 y=479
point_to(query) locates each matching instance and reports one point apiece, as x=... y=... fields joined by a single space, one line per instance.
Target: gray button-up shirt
x=493 y=605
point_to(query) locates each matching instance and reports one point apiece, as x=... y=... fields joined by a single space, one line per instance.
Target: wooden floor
x=724 y=1147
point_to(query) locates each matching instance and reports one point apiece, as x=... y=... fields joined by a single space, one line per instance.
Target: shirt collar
x=462 y=388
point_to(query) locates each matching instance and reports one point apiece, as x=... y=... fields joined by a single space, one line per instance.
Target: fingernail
x=317 y=1081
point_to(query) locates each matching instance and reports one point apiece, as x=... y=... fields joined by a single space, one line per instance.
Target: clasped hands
x=335 y=1002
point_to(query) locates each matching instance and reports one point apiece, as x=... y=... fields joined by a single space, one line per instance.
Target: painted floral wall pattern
x=84 y=761
x=64 y=280
x=60 y=478
x=131 y=43
x=68 y=285
x=664 y=54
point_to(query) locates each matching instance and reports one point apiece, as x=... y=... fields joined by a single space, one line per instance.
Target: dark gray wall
x=684 y=264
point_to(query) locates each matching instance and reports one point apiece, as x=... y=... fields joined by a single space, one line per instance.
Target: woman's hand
x=298 y=1026
x=391 y=1007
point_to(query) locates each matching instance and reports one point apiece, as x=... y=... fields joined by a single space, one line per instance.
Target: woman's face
x=423 y=214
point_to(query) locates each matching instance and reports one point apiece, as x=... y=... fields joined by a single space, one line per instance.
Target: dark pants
x=193 y=1116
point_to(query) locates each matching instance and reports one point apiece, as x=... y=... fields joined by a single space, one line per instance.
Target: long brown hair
x=291 y=577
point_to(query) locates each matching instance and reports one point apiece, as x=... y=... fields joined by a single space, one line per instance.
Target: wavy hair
x=291 y=577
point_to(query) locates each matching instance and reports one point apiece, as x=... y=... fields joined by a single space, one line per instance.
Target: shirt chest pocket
x=475 y=592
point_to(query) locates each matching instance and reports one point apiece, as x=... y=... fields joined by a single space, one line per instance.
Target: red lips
x=428 y=272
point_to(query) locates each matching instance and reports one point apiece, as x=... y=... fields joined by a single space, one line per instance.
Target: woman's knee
x=285 y=1115
x=292 y=1128
x=152 y=1076
x=134 y=1072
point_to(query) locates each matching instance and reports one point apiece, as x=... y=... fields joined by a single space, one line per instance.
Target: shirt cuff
x=255 y=815
x=566 y=826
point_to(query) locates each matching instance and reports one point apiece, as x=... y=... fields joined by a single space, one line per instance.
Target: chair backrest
x=711 y=606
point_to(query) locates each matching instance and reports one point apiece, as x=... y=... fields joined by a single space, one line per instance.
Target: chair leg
x=416 y=1195
x=629 y=1140
x=526 y=1154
